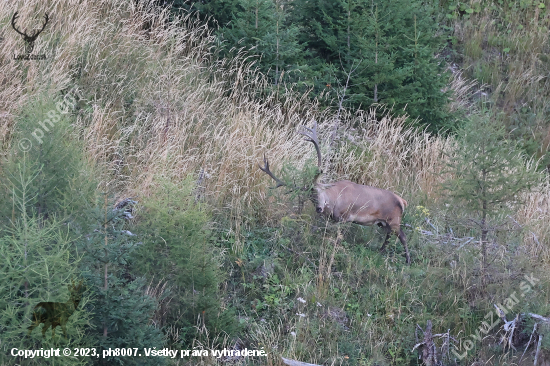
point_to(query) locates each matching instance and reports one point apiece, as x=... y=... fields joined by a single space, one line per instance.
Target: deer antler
x=28 y=38
x=311 y=134
x=13 y=19
x=266 y=170
x=44 y=26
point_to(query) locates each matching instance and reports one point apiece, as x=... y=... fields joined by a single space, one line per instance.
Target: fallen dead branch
x=429 y=347
x=512 y=328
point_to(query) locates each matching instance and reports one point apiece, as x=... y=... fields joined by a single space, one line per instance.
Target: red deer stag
x=345 y=201
x=56 y=313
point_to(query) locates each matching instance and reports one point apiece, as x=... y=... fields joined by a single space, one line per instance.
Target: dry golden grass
x=464 y=91
x=535 y=216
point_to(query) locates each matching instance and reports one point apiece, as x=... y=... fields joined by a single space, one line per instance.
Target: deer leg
x=388 y=233
x=34 y=324
x=64 y=330
x=403 y=240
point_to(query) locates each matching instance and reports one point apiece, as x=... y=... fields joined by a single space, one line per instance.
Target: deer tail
x=403 y=203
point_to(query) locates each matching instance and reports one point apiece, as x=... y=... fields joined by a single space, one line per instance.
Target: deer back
x=365 y=205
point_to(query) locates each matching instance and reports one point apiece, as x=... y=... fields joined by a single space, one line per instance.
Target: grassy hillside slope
x=157 y=105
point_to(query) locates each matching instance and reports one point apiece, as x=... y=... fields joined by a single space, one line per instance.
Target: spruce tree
x=394 y=42
x=123 y=311
x=52 y=189
x=44 y=137
x=489 y=174
x=38 y=265
x=324 y=37
x=318 y=44
x=262 y=27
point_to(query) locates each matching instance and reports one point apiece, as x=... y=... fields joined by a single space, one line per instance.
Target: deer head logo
x=29 y=39
x=57 y=313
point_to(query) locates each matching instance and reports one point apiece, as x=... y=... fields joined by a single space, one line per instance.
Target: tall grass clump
x=163 y=102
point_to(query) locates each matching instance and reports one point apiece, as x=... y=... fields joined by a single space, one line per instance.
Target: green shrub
x=176 y=247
